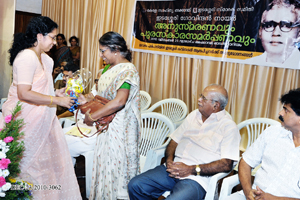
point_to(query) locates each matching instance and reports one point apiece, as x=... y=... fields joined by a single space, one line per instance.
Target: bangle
x=51 y=101
x=92 y=118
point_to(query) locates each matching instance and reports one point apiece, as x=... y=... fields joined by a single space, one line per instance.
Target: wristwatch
x=198 y=170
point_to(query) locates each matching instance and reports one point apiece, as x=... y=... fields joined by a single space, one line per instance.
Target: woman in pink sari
x=46 y=161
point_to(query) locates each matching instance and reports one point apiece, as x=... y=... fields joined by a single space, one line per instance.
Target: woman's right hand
x=66 y=101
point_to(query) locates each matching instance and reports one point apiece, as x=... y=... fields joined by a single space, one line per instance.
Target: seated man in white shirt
x=206 y=143
x=278 y=150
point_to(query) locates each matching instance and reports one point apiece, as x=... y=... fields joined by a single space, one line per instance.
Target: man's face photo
x=277 y=33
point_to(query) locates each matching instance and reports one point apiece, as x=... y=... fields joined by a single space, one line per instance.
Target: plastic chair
x=145 y=100
x=175 y=109
x=155 y=129
x=154 y=157
x=254 y=127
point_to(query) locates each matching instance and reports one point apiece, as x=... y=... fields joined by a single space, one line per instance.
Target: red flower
x=4 y=163
x=7 y=119
x=8 y=139
x=2 y=181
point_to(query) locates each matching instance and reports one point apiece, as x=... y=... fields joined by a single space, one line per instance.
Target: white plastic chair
x=154 y=157
x=254 y=127
x=173 y=108
x=155 y=129
x=145 y=100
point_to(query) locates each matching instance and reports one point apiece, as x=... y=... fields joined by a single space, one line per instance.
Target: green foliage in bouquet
x=11 y=152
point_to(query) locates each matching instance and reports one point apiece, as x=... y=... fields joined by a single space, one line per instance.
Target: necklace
x=39 y=57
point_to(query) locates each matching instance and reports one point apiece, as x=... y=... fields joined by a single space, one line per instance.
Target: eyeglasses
x=102 y=51
x=285 y=26
x=53 y=38
x=201 y=96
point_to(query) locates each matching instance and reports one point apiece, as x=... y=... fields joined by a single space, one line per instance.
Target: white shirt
x=201 y=143
x=279 y=174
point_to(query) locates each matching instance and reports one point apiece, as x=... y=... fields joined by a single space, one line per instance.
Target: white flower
x=2 y=155
x=5 y=149
x=5 y=173
x=6 y=187
x=2 y=143
x=2 y=194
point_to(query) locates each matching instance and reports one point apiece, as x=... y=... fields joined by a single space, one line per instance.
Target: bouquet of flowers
x=11 y=151
x=77 y=84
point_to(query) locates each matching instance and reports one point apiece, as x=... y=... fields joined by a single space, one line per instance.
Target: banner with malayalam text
x=252 y=32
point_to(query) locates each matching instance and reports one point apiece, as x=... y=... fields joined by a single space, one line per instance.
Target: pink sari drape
x=46 y=160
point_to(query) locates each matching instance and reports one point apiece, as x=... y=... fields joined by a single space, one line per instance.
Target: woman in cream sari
x=116 y=157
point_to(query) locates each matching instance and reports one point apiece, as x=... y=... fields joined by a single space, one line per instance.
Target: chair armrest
x=227 y=185
x=213 y=183
x=154 y=156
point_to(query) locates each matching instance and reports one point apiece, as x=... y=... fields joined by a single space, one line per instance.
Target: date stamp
x=46 y=187
x=36 y=187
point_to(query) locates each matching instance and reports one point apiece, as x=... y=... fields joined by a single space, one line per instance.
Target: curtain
x=253 y=91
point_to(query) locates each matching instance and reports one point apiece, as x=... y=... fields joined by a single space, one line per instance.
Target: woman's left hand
x=87 y=120
x=60 y=92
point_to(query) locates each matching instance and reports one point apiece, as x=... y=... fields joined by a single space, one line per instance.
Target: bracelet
x=51 y=100
x=92 y=118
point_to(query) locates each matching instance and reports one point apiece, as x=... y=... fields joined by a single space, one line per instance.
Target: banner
x=252 y=32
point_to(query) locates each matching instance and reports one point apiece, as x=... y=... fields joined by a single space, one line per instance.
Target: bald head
x=219 y=94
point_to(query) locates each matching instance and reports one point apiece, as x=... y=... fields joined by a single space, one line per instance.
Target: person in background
x=116 y=158
x=277 y=149
x=69 y=69
x=75 y=49
x=206 y=143
x=46 y=160
x=57 y=73
x=62 y=51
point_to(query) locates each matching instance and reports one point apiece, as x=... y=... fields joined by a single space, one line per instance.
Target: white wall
x=7 y=27
x=30 y=6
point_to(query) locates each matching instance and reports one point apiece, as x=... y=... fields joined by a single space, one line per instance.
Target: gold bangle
x=92 y=118
x=51 y=101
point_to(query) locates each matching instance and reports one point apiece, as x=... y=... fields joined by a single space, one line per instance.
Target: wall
x=31 y=6
x=7 y=22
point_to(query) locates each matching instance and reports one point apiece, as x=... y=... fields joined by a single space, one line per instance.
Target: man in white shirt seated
x=277 y=149
x=206 y=143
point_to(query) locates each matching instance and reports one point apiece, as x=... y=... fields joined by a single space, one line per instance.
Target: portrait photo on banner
x=261 y=32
